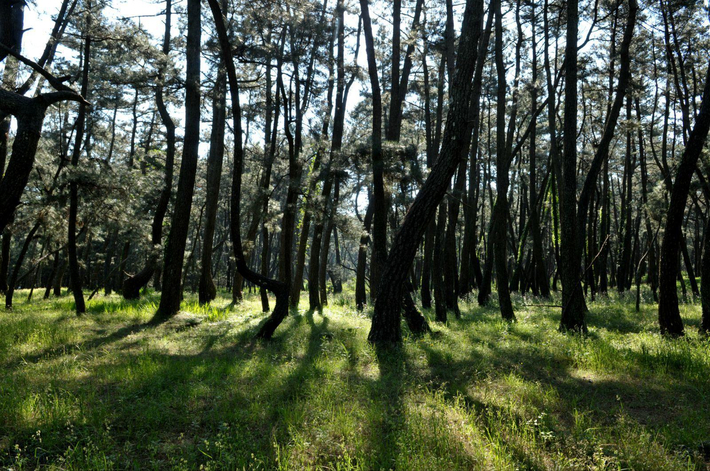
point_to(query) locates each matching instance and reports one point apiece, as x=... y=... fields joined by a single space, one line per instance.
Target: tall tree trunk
x=379 y=233
x=668 y=312
x=74 y=270
x=386 y=320
x=278 y=288
x=175 y=251
x=502 y=169
x=207 y=289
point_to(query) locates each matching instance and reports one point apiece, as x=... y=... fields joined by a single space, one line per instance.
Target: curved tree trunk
x=132 y=285
x=668 y=312
x=278 y=288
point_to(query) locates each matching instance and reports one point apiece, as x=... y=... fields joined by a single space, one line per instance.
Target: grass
x=104 y=391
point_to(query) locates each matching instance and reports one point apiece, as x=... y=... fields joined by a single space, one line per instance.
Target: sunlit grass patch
x=106 y=390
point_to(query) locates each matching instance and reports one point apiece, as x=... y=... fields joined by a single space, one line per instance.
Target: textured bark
x=386 y=320
x=175 y=250
x=503 y=159
x=379 y=232
x=207 y=289
x=574 y=308
x=668 y=312
x=278 y=288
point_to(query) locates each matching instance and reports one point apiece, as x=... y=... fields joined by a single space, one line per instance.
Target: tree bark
x=280 y=289
x=386 y=320
x=668 y=312
x=175 y=251
x=74 y=271
x=207 y=289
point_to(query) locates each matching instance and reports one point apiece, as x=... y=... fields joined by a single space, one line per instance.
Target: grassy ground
x=104 y=391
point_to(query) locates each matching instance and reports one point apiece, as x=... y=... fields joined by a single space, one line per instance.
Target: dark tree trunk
x=386 y=320
x=360 y=292
x=574 y=308
x=131 y=287
x=437 y=274
x=52 y=275
x=325 y=247
x=18 y=265
x=705 y=281
x=207 y=289
x=278 y=288
x=264 y=295
x=668 y=312
x=74 y=271
x=175 y=251
x=5 y=261
x=379 y=233
x=503 y=159
x=541 y=280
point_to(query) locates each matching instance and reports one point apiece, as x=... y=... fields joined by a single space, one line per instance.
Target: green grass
x=104 y=391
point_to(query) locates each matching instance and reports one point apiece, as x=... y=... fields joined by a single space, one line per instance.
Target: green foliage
x=106 y=391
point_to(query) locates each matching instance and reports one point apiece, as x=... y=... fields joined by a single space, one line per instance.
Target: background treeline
x=570 y=141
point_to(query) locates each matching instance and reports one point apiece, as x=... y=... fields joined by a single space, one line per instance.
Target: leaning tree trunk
x=386 y=320
x=668 y=311
x=18 y=265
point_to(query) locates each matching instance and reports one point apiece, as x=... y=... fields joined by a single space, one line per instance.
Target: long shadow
x=386 y=394
x=605 y=396
x=86 y=345
x=443 y=378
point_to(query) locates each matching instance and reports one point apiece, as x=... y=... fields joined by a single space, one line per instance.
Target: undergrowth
x=107 y=391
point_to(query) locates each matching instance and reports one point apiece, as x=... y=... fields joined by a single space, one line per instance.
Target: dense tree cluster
x=418 y=151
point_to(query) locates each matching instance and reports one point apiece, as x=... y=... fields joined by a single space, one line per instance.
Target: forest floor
x=106 y=391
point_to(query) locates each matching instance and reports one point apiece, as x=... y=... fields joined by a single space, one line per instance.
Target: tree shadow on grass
x=71 y=348
x=602 y=397
x=388 y=417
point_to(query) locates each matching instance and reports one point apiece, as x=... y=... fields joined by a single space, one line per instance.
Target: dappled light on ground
x=106 y=390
